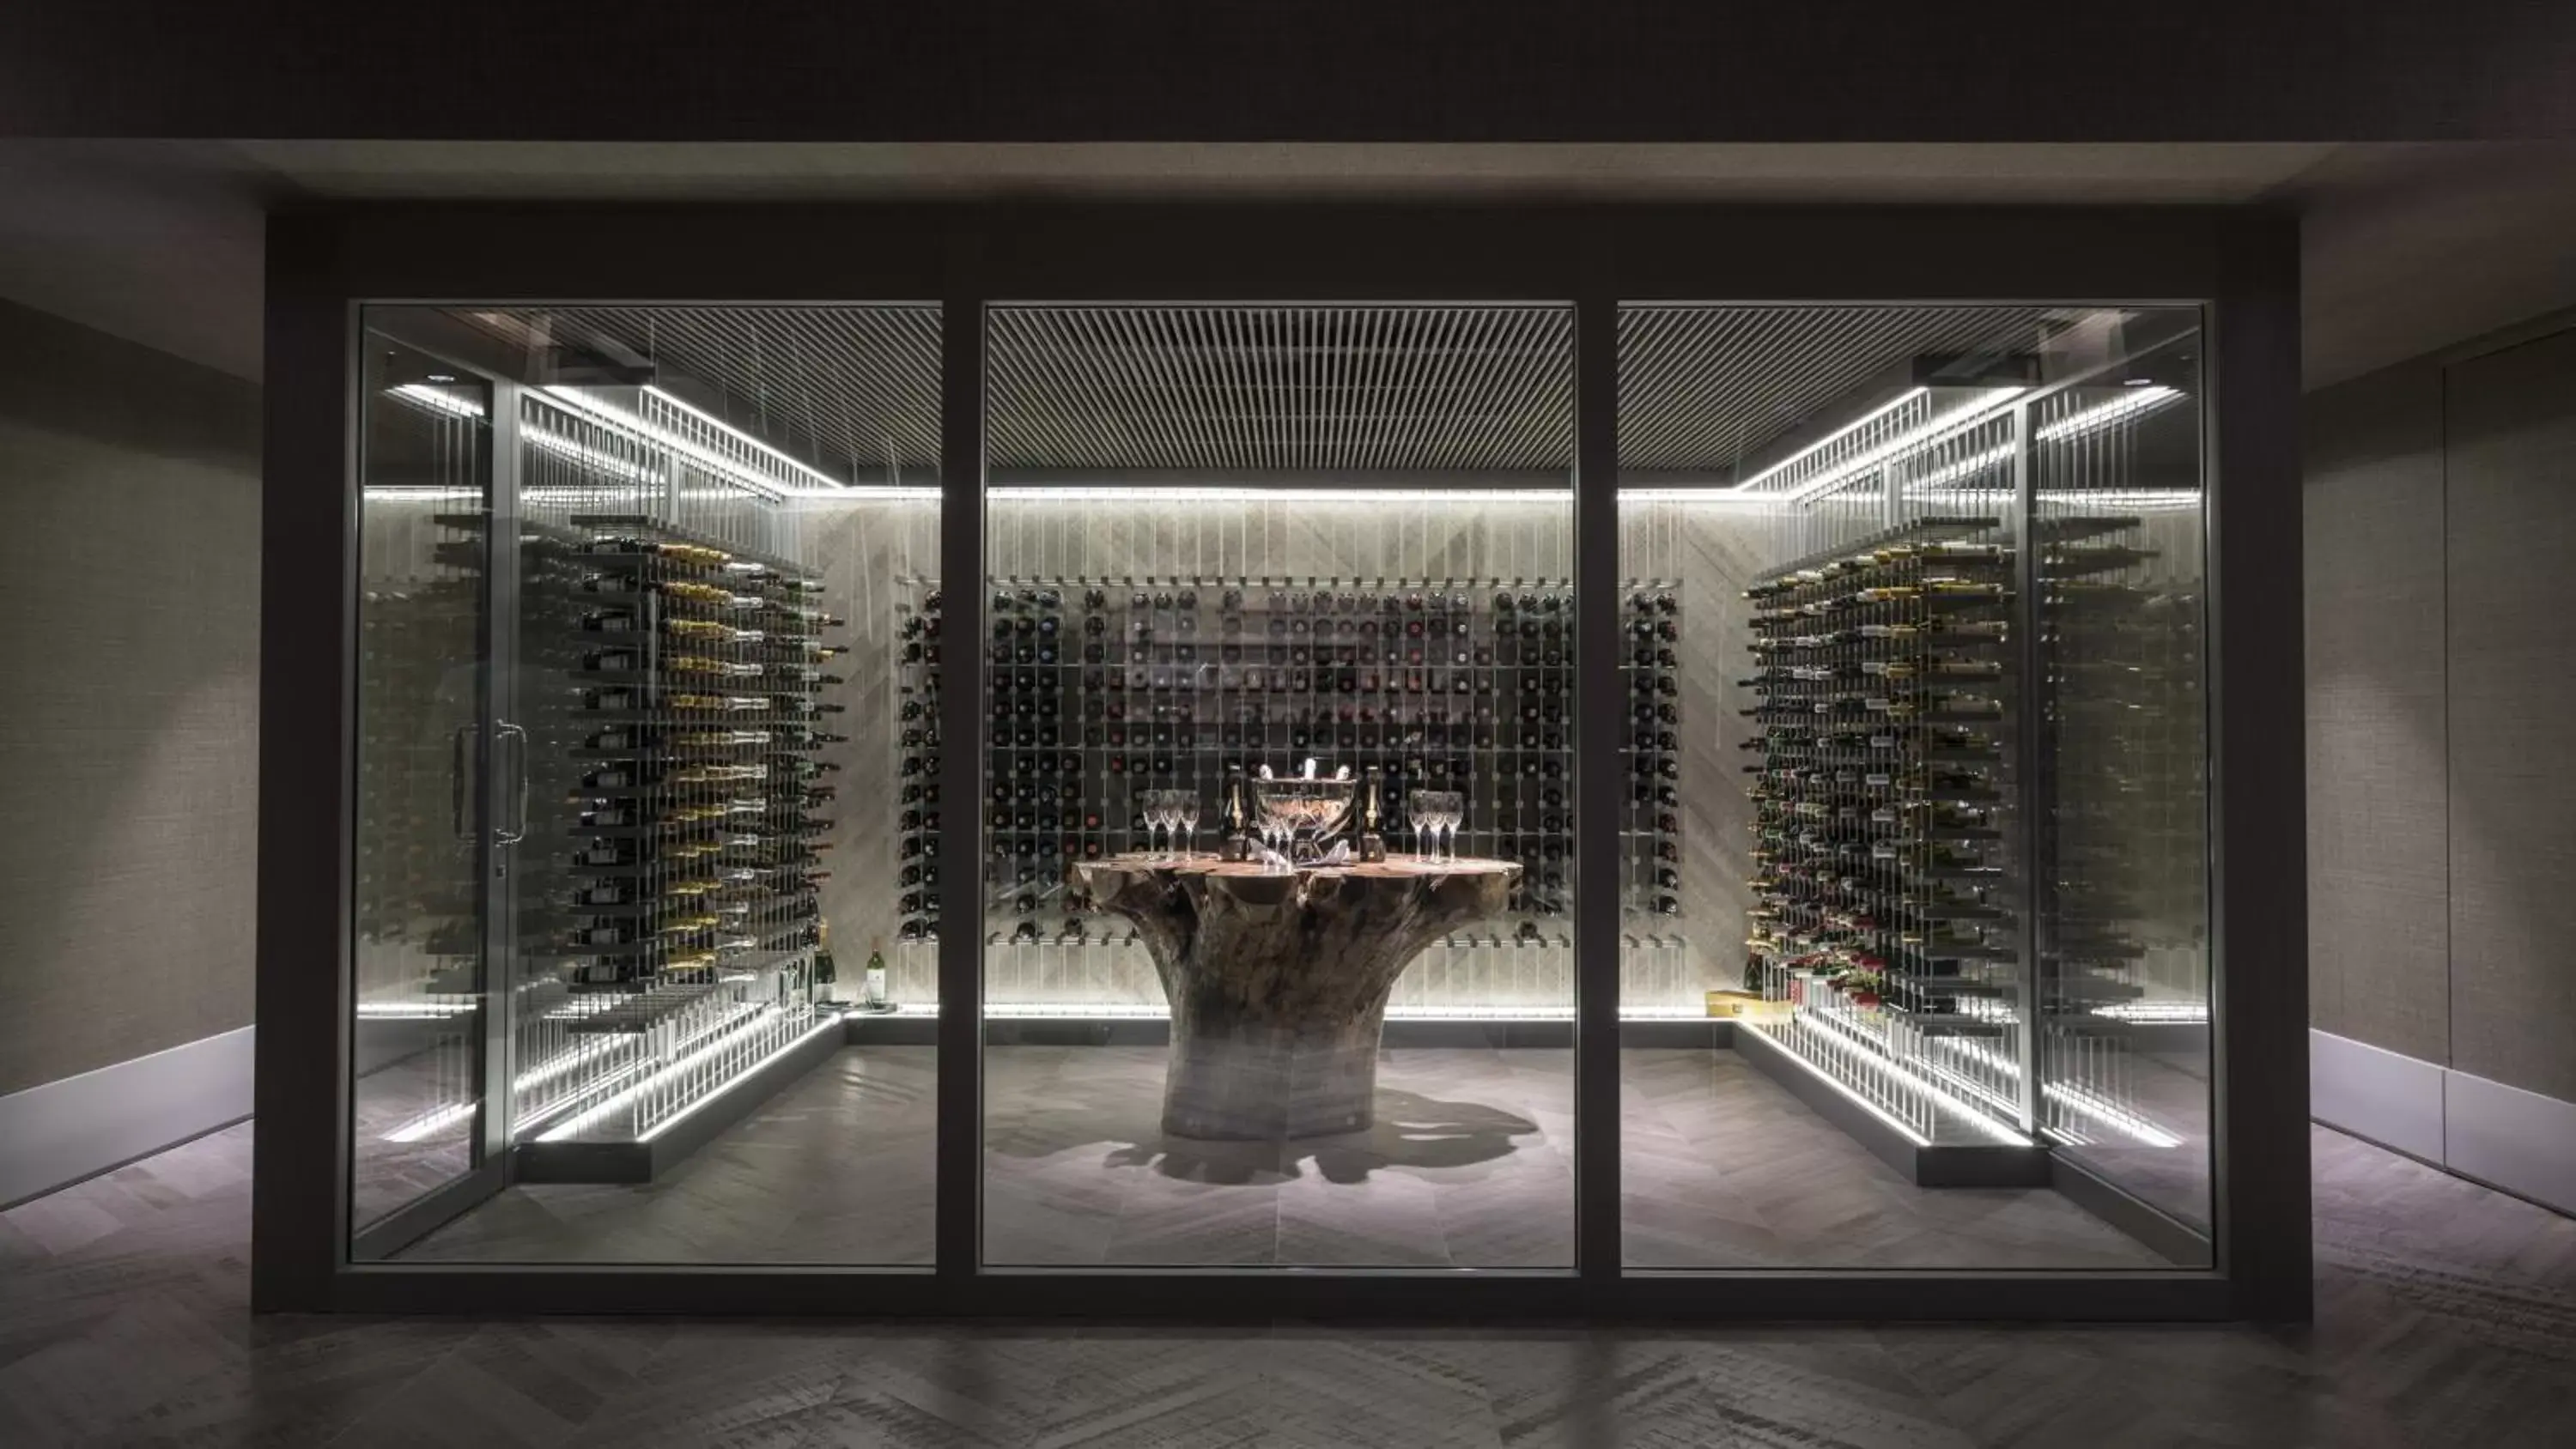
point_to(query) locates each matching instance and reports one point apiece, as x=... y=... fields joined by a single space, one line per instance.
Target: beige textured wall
x=2440 y=517
x=2377 y=856
x=129 y=587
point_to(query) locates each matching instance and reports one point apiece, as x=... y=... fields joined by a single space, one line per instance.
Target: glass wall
x=645 y=685
x=1273 y=836
x=1923 y=640
x=419 y=954
x=1277 y=929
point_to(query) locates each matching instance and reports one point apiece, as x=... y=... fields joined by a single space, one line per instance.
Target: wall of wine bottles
x=700 y=679
x=1888 y=888
x=1961 y=817
x=1103 y=684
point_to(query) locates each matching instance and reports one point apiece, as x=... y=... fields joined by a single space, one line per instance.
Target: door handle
x=518 y=830
x=457 y=771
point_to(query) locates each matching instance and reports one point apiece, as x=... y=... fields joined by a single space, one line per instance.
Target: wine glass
x=1186 y=810
x=1153 y=813
x=1417 y=816
x=1453 y=813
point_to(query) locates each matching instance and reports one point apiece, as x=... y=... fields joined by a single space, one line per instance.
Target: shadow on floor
x=1411 y=1130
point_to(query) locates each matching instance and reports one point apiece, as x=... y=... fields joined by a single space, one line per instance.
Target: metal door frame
x=2238 y=263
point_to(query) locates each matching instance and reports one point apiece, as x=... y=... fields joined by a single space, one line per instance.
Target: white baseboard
x=2392 y=1099
x=2506 y=1137
x=2518 y=1141
x=58 y=1133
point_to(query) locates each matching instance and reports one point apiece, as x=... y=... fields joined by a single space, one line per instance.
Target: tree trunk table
x=1278 y=981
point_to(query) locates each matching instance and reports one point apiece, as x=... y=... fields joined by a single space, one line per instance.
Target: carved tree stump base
x=1278 y=982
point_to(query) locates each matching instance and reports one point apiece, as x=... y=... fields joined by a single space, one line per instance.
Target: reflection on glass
x=2124 y=945
x=417 y=949
x=1308 y=570
x=688 y=722
x=1936 y=736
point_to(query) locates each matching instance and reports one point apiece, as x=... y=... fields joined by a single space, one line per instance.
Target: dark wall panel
x=1322 y=70
x=129 y=581
x=2512 y=530
x=2377 y=854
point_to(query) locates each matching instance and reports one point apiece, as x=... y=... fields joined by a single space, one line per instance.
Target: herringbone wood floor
x=2447 y=1315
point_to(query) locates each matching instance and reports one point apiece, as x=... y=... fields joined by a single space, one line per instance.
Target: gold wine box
x=1746 y=1006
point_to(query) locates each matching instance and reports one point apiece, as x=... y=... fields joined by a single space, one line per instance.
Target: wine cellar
x=1910 y=827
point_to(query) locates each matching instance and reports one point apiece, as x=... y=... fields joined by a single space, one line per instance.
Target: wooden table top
x=1394 y=867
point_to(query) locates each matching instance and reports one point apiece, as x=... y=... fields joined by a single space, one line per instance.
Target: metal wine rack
x=687 y=919
x=1098 y=688
x=1889 y=892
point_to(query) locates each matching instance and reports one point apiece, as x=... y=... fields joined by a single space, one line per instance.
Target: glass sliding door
x=655 y=571
x=1916 y=617
x=433 y=819
x=1277 y=928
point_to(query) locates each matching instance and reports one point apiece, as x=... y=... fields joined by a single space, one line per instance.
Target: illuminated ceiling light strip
x=432 y=399
x=435 y=1120
x=908 y=493
x=830 y=483
x=664 y=438
x=1137 y=1011
x=415 y=1010
x=1957 y=420
x=1967 y=467
x=1828 y=440
x=2131 y=403
x=2188 y=1013
x=2140 y=500
x=720 y=1088
x=1732 y=496
x=1561 y=497
x=609 y=463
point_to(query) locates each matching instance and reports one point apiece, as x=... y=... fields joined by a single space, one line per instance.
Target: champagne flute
x=1417 y=811
x=1188 y=813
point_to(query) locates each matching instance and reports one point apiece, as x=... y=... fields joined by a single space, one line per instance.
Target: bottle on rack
x=874 y=991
